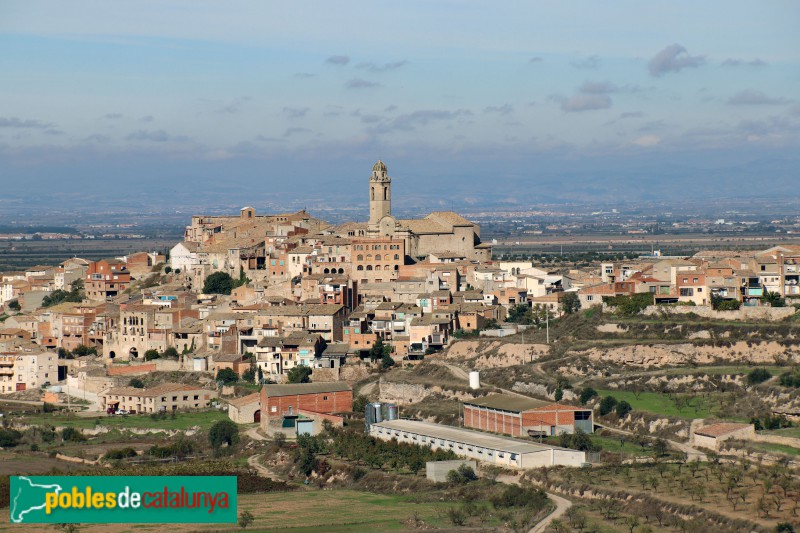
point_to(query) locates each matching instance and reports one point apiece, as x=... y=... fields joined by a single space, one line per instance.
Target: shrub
x=72 y=435
x=170 y=353
x=720 y=304
x=149 y=355
x=136 y=383
x=587 y=394
x=9 y=437
x=623 y=408
x=84 y=350
x=578 y=441
x=790 y=379
x=607 y=405
x=227 y=376
x=120 y=453
x=629 y=305
x=516 y=496
x=245 y=519
x=558 y=395
x=299 y=374
x=219 y=283
x=457 y=516
x=180 y=448
x=223 y=432
x=461 y=475
x=758 y=375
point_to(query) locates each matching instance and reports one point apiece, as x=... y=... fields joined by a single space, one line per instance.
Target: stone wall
x=131 y=369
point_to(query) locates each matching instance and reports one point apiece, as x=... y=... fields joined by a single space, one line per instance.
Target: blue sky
x=516 y=91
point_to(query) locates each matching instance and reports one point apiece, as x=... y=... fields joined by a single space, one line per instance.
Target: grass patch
x=771 y=447
x=340 y=511
x=686 y=405
x=785 y=432
x=334 y=511
x=183 y=420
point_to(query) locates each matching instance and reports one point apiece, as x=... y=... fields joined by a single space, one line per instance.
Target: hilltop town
x=408 y=332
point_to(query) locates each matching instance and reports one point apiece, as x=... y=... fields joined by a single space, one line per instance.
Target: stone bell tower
x=380 y=193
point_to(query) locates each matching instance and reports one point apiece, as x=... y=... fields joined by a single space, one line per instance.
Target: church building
x=439 y=233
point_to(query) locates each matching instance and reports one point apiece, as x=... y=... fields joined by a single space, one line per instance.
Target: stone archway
x=112 y=354
x=133 y=353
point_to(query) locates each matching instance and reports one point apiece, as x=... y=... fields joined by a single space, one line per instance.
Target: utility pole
x=547 y=324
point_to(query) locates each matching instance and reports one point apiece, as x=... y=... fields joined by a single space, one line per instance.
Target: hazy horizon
x=201 y=102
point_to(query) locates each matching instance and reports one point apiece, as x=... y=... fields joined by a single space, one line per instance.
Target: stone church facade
x=440 y=232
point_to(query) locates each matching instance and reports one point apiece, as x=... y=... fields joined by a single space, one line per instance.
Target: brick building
x=279 y=401
x=106 y=280
x=520 y=416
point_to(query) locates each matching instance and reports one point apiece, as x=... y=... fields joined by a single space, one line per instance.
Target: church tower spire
x=380 y=193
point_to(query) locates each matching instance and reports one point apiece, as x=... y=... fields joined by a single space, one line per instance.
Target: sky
x=557 y=99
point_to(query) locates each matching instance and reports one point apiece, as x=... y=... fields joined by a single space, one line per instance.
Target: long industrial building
x=493 y=449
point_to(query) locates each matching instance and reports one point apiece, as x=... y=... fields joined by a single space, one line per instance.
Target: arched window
x=397 y=267
x=369 y=267
x=386 y=193
x=360 y=258
x=326 y=271
x=360 y=267
x=377 y=267
x=396 y=257
x=341 y=271
x=377 y=257
x=373 y=193
x=386 y=267
x=369 y=257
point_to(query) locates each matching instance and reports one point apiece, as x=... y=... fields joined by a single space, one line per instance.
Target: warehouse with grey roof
x=485 y=447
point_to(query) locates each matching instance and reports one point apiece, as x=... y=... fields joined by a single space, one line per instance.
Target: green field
x=770 y=447
x=662 y=404
x=183 y=420
x=785 y=432
x=340 y=510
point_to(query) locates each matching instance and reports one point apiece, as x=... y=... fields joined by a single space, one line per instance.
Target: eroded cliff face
x=494 y=354
x=498 y=354
x=681 y=354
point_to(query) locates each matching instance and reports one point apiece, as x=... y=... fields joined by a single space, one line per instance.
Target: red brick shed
x=521 y=416
x=324 y=398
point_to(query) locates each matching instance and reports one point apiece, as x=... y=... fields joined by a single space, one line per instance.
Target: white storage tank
x=474 y=380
